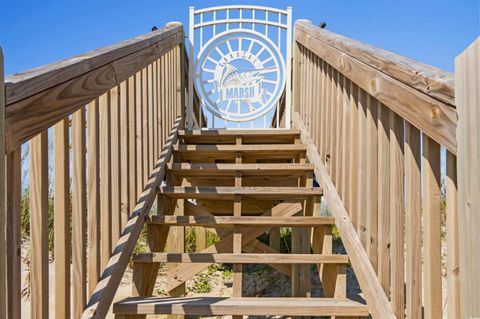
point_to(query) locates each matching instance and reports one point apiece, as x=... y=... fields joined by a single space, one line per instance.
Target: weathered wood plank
x=62 y=221
x=105 y=180
x=258 y=306
x=38 y=111
x=425 y=78
x=453 y=241
x=369 y=283
x=431 y=231
x=93 y=194
x=39 y=225
x=397 y=215
x=383 y=161
x=229 y=221
x=413 y=223
x=13 y=247
x=240 y=258
x=79 y=213
x=437 y=119
x=467 y=82
x=100 y=301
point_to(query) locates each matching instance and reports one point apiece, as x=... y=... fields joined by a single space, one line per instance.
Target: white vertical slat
x=288 y=82
x=191 y=66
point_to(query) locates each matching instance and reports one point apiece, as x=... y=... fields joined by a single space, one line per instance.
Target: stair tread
x=240 y=148
x=237 y=132
x=259 y=306
x=229 y=169
x=244 y=258
x=241 y=220
x=226 y=192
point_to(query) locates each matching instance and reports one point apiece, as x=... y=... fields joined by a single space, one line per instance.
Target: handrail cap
x=172 y=24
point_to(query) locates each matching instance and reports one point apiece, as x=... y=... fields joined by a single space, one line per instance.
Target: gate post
x=467 y=100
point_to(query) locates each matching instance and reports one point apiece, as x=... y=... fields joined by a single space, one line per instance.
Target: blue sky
x=33 y=33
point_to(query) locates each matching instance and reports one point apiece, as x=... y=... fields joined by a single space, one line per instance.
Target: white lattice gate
x=240 y=66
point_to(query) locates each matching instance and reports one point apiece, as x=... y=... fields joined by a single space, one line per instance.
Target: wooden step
x=210 y=152
x=255 y=306
x=229 y=221
x=157 y=257
x=267 y=136
x=228 y=193
x=247 y=170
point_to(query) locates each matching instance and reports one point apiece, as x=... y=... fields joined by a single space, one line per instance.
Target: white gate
x=240 y=66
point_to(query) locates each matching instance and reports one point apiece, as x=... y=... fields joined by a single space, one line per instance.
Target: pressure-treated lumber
x=3 y=243
x=367 y=278
x=467 y=83
x=240 y=258
x=229 y=221
x=39 y=98
x=425 y=78
x=100 y=301
x=39 y=224
x=216 y=306
x=230 y=192
x=220 y=151
x=436 y=118
x=251 y=136
x=228 y=169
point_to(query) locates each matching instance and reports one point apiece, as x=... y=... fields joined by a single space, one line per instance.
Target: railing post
x=190 y=68
x=467 y=100
x=3 y=243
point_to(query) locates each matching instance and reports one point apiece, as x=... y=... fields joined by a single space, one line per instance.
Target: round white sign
x=240 y=75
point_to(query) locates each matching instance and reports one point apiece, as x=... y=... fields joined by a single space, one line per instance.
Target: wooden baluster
x=124 y=155
x=353 y=167
x=115 y=163
x=105 y=179
x=139 y=132
x=361 y=167
x=453 y=243
x=62 y=214
x=383 y=271
x=79 y=213
x=132 y=143
x=431 y=232
x=39 y=225
x=14 y=233
x=413 y=223
x=93 y=189
x=371 y=185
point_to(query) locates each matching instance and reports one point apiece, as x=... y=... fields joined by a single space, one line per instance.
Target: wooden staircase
x=240 y=184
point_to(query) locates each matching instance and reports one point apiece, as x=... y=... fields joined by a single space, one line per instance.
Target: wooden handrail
x=421 y=94
x=38 y=98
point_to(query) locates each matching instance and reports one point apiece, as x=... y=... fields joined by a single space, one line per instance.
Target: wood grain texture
x=62 y=221
x=413 y=223
x=397 y=215
x=93 y=195
x=453 y=241
x=38 y=111
x=467 y=82
x=39 y=225
x=367 y=278
x=258 y=306
x=431 y=231
x=437 y=119
x=425 y=78
x=105 y=180
x=79 y=213
x=383 y=161
x=229 y=221
x=13 y=191
x=100 y=301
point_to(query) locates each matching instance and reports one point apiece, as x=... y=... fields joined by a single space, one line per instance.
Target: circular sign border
x=210 y=46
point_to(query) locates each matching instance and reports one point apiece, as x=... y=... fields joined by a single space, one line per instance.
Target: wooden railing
x=376 y=124
x=111 y=115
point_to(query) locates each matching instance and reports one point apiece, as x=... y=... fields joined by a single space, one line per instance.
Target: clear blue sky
x=36 y=32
